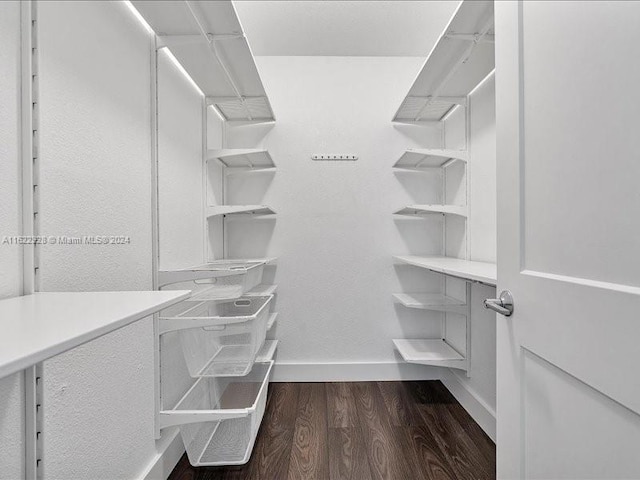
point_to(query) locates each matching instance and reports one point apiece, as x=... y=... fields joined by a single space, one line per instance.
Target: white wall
x=335 y=234
x=481 y=229
x=96 y=179
x=11 y=388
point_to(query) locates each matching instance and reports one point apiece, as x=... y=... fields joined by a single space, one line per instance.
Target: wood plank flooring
x=361 y=431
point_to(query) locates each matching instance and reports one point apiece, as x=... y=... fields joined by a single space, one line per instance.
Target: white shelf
x=208 y=41
x=267 y=351
x=457 y=210
x=461 y=59
x=253 y=159
x=39 y=326
x=419 y=160
x=272 y=320
x=482 y=272
x=238 y=209
x=431 y=301
x=435 y=352
x=262 y=290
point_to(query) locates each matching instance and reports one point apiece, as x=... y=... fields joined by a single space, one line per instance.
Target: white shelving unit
x=245 y=159
x=436 y=352
x=412 y=210
x=206 y=38
x=208 y=41
x=460 y=60
x=39 y=326
x=482 y=272
x=425 y=159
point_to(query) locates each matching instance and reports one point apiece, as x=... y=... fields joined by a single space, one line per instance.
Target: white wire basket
x=220 y=338
x=239 y=402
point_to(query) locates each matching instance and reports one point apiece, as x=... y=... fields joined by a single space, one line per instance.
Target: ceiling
x=343 y=28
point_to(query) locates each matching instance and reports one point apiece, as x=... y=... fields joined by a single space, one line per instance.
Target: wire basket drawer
x=221 y=338
x=229 y=441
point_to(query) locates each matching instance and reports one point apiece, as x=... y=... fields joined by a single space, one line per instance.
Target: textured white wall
x=335 y=234
x=180 y=200
x=11 y=388
x=96 y=179
x=180 y=170
x=482 y=237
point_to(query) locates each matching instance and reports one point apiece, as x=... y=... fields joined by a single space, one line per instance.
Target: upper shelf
x=482 y=272
x=208 y=41
x=420 y=159
x=254 y=159
x=39 y=326
x=239 y=209
x=459 y=210
x=460 y=60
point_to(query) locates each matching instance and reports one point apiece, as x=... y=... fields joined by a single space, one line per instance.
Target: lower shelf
x=436 y=352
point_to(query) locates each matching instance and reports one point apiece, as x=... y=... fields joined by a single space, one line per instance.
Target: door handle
x=503 y=305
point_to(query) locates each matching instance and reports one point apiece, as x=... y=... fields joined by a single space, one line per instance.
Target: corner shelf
x=482 y=272
x=257 y=210
x=39 y=326
x=436 y=352
x=457 y=210
x=431 y=301
x=460 y=60
x=245 y=158
x=424 y=159
x=207 y=40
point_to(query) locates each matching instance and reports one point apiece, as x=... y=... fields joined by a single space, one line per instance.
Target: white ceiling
x=344 y=28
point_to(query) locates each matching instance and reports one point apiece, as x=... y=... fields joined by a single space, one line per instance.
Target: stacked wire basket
x=221 y=328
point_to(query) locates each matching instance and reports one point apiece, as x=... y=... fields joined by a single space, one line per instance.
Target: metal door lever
x=502 y=305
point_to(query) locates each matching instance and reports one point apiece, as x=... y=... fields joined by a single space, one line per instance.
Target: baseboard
x=170 y=450
x=482 y=413
x=351 y=372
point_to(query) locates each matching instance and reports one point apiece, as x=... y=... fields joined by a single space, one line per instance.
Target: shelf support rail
x=30 y=226
x=477 y=38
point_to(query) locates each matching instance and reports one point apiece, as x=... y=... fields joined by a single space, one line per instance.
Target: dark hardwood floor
x=361 y=431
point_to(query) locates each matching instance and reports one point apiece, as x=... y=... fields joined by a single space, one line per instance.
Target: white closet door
x=568 y=120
